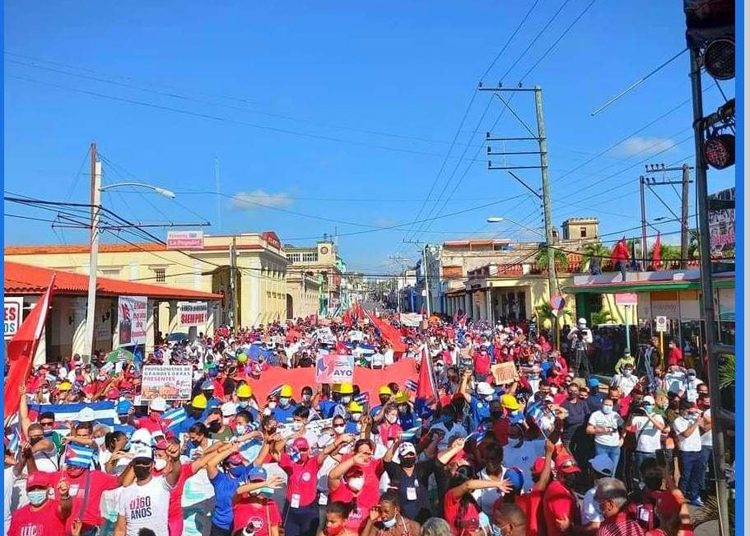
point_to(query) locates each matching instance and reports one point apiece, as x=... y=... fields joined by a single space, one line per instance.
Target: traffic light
x=710 y=29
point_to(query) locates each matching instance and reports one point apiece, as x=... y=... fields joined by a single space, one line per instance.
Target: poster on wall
x=131 y=319
x=721 y=225
x=193 y=313
x=13 y=316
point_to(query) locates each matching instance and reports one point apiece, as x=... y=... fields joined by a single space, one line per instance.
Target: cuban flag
x=103 y=412
x=276 y=392
x=362 y=399
x=175 y=416
x=79 y=455
x=411 y=385
x=426 y=391
x=412 y=434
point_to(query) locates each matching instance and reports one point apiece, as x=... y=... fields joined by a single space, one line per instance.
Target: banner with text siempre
x=171 y=382
x=193 y=313
x=131 y=319
x=334 y=368
x=13 y=316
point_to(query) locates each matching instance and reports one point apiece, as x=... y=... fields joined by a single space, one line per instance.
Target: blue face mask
x=498 y=531
x=37 y=496
x=389 y=524
x=236 y=471
x=127 y=446
x=266 y=492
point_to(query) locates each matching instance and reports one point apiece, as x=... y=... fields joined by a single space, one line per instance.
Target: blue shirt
x=480 y=410
x=128 y=429
x=224 y=490
x=406 y=420
x=184 y=426
x=351 y=428
x=284 y=415
x=326 y=408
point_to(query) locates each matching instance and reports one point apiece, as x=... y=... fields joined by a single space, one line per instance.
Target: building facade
x=322 y=263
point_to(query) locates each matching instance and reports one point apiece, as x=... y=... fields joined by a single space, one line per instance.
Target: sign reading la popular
x=185 y=240
x=193 y=313
x=13 y=316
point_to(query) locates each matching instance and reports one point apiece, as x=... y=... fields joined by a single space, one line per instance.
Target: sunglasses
x=47 y=424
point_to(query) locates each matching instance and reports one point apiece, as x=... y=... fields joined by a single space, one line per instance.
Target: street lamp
x=497 y=219
x=94 y=251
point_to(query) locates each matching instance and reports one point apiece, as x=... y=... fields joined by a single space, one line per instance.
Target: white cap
x=86 y=415
x=484 y=389
x=158 y=404
x=228 y=409
x=602 y=464
x=142 y=436
x=582 y=321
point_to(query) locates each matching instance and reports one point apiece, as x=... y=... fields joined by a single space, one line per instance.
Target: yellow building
x=261 y=285
x=321 y=266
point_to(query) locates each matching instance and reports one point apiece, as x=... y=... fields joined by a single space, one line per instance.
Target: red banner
x=369 y=381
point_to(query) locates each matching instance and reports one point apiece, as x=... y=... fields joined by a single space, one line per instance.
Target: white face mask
x=391 y=418
x=296 y=426
x=338 y=429
x=160 y=464
x=346 y=399
x=99 y=441
x=607 y=409
x=356 y=484
x=356 y=417
x=272 y=405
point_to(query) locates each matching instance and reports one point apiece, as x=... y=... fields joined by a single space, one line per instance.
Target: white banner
x=171 y=382
x=193 y=313
x=131 y=320
x=412 y=320
x=13 y=316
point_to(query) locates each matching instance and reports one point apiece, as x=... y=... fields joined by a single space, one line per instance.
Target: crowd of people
x=553 y=451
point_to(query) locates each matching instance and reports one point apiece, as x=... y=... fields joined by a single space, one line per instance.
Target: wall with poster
x=132 y=313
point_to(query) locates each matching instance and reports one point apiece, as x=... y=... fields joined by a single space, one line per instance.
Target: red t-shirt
x=362 y=505
x=303 y=480
x=558 y=502
x=43 y=522
x=451 y=508
x=482 y=363
x=530 y=503
x=248 y=511
x=98 y=484
x=175 y=496
x=152 y=423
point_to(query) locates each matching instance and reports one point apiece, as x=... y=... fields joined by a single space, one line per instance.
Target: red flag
x=347 y=318
x=22 y=347
x=656 y=255
x=426 y=388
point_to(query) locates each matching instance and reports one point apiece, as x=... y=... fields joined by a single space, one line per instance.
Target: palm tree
x=668 y=253
x=561 y=259
x=547 y=319
x=593 y=250
x=727 y=372
x=601 y=317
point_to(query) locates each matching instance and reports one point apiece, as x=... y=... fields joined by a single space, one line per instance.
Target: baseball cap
x=593 y=382
x=406 y=449
x=515 y=476
x=141 y=451
x=484 y=389
x=123 y=407
x=602 y=464
x=257 y=474
x=691 y=371
x=38 y=479
x=158 y=404
x=648 y=399
x=228 y=409
x=565 y=463
x=538 y=465
x=301 y=444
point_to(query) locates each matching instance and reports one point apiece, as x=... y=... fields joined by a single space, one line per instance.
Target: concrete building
x=322 y=263
x=261 y=285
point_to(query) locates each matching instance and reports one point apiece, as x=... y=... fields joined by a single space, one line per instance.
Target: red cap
x=565 y=463
x=161 y=444
x=538 y=466
x=301 y=444
x=113 y=394
x=37 y=479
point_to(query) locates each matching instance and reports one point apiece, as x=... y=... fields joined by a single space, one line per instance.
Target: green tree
x=668 y=253
x=595 y=249
x=547 y=319
x=601 y=317
x=542 y=259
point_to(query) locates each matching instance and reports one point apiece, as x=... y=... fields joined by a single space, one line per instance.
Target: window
x=111 y=272
x=160 y=274
x=583 y=232
x=310 y=257
x=294 y=257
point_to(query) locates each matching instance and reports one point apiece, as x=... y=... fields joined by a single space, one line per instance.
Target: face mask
x=334 y=531
x=488 y=398
x=389 y=524
x=126 y=447
x=284 y=402
x=498 y=531
x=338 y=429
x=296 y=426
x=306 y=398
x=241 y=429
x=607 y=409
x=570 y=480
x=160 y=464
x=37 y=496
x=243 y=404
x=346 y=399
x=356 y=484
x=142 y=472
x=324 y=441
x=272 y=405
x=553 y=391
x=648 y=408
x=226 y=420
x=265 y=492
x=627 y=372
x=356 y=417
x=691 y=377
x=391 y=419
x=408 y=462
x=215 y=427
x=652 y=482
x=236 y=470
x=496 y=414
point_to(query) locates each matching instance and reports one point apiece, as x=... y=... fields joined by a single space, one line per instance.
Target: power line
x=510 y=39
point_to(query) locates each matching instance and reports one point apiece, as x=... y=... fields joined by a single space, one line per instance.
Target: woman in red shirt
x=337 y=514
x=254 y=508
x=461 y=510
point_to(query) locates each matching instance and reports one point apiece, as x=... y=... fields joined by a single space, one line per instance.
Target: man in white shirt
x=606 y=427
x=687 y=428
x=647 y=427
x=591 y=515
x=145 y=504
x=692 y=382
x=521 y=453
x=674 y=380
x=625 y=381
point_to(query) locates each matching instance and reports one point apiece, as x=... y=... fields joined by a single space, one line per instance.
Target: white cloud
x=644 y=146
x=259 y=199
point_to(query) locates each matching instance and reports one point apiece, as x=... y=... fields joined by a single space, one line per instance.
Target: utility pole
x=96 y=183
x=685 y=234
x=233 y=283
x=644 y=245
x=552 y=269
x=426 y=279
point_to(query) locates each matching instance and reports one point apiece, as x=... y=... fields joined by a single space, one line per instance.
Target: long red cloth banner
x=369 y=380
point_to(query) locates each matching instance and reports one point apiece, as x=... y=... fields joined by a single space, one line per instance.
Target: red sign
x=271 y=239
x=629 y=298
x=185 y=240
x=557 y=302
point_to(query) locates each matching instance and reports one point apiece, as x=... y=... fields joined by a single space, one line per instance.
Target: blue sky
x=338 y=117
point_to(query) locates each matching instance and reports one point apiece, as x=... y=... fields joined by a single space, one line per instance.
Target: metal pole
x=685 y=235
x=627 y=328
x=551 y=268
x=96 y=182
x=426 y=280
x=233 y=283
x=644 y=244
x=707 y=293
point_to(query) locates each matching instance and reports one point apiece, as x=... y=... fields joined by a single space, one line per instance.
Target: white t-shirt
x=626 y=383
x=523 y=457
x=648 y=435
x=691 y=389
x=46 y=460
x=691 y=443
x=146 y=506
x=612 y=421
x=590 y=512
x=707 y=439
x=487 y=497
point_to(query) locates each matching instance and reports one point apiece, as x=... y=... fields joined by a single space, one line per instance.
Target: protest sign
x=504 y=373
x=171 y=382
x=334 y=368
x=314 y=428
x=412 y=320
x=131 y=319
x=13 y=316
x=193 y=313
